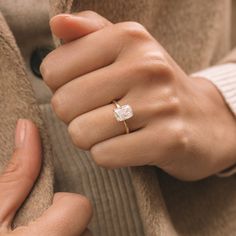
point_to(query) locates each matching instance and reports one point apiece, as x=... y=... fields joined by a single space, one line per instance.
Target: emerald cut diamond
x=123 y=113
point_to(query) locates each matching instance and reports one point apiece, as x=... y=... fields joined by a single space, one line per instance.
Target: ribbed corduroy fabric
x=111 y=191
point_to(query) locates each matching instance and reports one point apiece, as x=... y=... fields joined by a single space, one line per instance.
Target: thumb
x=20 y=174
x=70 y=27
x=69 y=215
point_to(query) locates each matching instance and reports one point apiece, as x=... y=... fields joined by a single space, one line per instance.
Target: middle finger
x=95 y=89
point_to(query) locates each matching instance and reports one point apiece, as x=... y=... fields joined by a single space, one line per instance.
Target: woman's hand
x=180 y=124
x=69 y=213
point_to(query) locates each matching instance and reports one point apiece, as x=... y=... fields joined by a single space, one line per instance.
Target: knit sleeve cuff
x=224 y=78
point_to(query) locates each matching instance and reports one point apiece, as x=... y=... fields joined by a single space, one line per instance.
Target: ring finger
x=100 y=124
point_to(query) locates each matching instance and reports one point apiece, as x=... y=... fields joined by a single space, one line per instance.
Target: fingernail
x=20 y=133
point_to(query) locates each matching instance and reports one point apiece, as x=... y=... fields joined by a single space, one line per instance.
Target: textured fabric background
x=17 y=101
x=197 y=35
x=111 y=191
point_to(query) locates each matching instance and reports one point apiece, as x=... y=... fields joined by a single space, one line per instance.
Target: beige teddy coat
x=136 y=201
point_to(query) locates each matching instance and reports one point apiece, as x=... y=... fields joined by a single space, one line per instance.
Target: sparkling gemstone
x=123 y=112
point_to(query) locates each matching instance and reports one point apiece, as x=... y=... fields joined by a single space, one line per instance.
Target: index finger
x=69 y=27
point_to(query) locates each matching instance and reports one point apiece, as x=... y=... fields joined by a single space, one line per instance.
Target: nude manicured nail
x=20 y=133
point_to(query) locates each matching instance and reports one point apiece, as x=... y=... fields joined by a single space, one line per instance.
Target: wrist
x=224 y=78
x=224 y=123
x=211 y=93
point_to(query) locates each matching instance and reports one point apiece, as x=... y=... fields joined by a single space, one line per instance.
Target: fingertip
x=78 y=201
x=69 y=27
x=57 y=24
x=58 y=18
x=65 y=27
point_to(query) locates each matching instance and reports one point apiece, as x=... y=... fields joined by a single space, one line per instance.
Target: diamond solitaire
x=123 y=113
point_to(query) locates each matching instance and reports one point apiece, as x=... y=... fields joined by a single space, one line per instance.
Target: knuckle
x=47 y=73
x=98 y=157
x=58 y=103
x=13 y=167
x=133 y=30
x=77 y=132
x=169 y=105
x=165 y=71
x=153 y=66
x=180 y=137
x=11 y=172
x=172 y=102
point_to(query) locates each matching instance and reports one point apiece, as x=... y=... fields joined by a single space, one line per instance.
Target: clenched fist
x=180 y=124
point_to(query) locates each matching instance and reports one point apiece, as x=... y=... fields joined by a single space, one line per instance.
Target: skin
x=69 y=213
x=178 y=121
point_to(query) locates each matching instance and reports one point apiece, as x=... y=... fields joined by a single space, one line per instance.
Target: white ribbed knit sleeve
x=224 y=78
